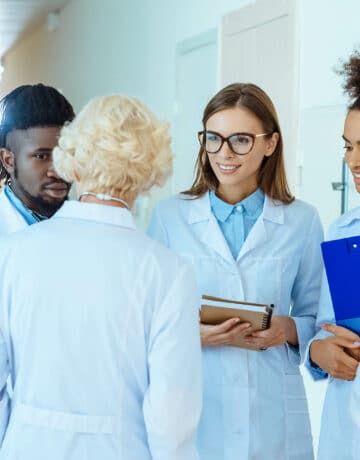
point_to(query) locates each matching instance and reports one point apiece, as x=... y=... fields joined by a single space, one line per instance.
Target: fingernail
x=236 y=320
x=357 y=343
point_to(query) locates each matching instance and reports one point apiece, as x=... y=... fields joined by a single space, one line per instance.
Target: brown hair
x=351 y=71
x=272 y=177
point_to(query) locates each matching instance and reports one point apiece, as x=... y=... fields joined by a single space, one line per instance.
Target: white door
x=196 y=66
x=259 y=45
x=196 y=69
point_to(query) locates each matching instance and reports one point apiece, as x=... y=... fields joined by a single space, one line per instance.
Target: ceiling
x=19 y=16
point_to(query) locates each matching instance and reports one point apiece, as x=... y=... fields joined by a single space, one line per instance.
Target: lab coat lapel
x=273 y=212
x=212 y=236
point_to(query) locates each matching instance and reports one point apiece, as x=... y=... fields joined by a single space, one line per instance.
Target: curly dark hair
x=351 y=72
x=31 y=106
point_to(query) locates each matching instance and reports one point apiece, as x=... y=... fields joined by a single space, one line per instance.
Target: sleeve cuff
x=305 y=328
x=315 y=371
x=293 y=354
x=4 y=415
x=355 y=402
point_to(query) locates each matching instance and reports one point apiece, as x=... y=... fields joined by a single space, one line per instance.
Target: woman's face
x=352 y=145
x=238 y=174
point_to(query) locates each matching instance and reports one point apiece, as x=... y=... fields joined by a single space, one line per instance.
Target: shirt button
x=239 y=208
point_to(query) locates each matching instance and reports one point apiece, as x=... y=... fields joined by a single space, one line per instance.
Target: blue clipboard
x=342 y=266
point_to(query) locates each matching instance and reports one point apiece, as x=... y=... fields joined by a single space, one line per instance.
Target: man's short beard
x=40 y=206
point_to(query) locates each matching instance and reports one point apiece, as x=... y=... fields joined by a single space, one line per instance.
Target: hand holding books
x=244 y=324
x=228 y=322
x=231 y=333
x=282 y=330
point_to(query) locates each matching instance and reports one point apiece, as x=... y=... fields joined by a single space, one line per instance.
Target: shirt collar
x=31 y=217
x=347 y=218
x=251 y=205
x=113 y=215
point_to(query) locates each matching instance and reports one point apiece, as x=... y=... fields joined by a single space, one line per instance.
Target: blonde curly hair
x=117 y=146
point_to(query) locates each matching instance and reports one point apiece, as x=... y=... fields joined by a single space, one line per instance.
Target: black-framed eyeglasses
x=239 y=143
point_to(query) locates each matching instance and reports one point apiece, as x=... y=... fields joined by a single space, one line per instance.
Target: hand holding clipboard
x=342 y=266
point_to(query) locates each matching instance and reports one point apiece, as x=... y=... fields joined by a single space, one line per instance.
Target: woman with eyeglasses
x=335 y=353
x=248 y=239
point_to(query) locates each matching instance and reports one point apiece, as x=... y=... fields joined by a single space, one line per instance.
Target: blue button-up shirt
x=236 y=220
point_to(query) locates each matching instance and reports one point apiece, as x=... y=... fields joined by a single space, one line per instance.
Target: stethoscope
x=104 y=197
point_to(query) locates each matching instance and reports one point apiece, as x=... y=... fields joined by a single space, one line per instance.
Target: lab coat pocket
x=65 y=421
x=46 y=434
x=298 y=431
x=43 y=434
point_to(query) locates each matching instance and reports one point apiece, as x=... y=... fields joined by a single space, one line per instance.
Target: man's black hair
x=31 y=106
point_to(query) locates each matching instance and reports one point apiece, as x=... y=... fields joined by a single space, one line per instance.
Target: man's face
x=33 y=178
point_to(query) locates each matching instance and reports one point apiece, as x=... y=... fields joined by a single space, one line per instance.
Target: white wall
x=329 y=32
x=194 y=17
x=113 y=46
x=97 y=48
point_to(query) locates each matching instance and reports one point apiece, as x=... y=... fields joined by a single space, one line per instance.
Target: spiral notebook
x=342 y=266
x=216 y=310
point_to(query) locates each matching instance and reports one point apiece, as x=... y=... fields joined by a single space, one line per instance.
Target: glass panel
x=321 y=153
x=352 y=197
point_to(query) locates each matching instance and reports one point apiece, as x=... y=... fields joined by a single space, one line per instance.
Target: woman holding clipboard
x=334 y=352
x=250 y=240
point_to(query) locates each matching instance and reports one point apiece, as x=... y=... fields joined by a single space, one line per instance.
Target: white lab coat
x=338 y=436
x=254 y=404
x=355 y=415
x=10 y=221
x=10 y=218
x=101 y=340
